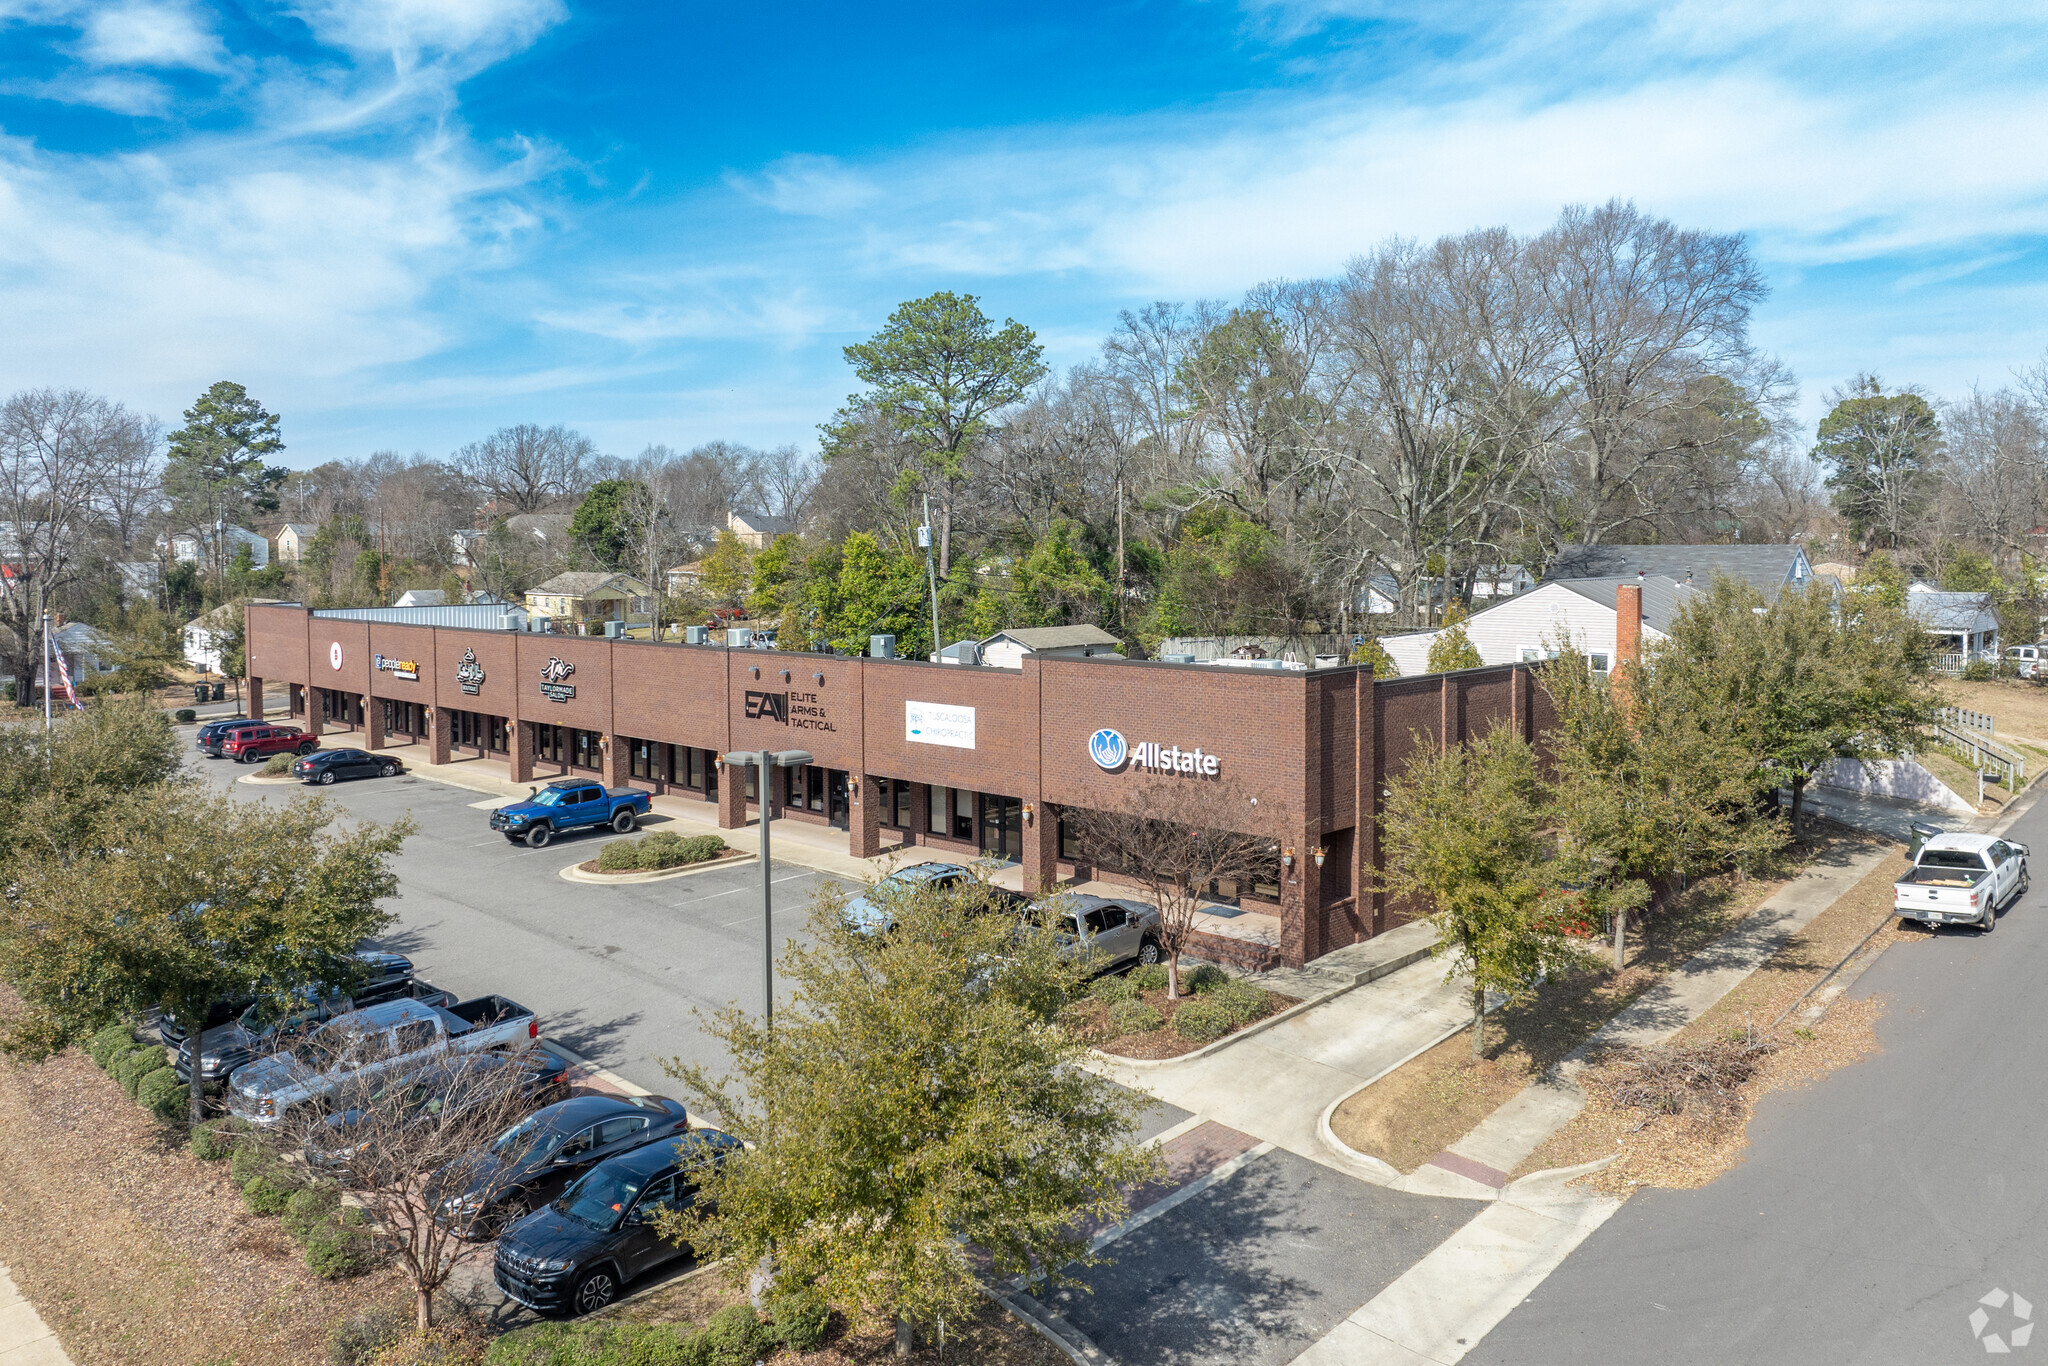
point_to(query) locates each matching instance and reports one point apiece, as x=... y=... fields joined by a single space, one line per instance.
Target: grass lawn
x=1433 y=1100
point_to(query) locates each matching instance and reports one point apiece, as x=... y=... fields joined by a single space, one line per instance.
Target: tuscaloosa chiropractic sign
x=1111 y=752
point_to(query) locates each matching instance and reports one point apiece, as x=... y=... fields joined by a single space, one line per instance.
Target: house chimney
x=1628 y=624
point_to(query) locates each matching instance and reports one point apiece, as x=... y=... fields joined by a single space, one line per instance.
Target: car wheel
x=388 y=771
x=593 y=1292
x=512 y=1211
x=624 y=822
x=326 y=777
x=1990 y=921
x=307 y=749
x=1148 y=952
x=538 y=837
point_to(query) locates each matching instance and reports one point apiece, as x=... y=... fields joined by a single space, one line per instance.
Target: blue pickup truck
x=569 y=804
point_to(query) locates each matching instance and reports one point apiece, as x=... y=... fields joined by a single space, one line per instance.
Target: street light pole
x=765 y=762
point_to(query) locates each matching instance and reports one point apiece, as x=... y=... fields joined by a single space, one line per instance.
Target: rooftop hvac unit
x=739 y=637
x=696 y=635
x=882 y=647
x=614 y=630
x=1177 y=659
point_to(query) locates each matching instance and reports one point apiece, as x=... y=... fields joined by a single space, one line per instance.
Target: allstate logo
x=1107 y=748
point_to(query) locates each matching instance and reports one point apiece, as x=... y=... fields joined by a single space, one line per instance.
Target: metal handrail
x=1985 y=753
x=1963 y=716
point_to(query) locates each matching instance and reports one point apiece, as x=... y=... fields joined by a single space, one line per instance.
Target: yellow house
x=574 y=602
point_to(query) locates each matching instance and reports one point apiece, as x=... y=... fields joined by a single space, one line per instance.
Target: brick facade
x=1302 y=756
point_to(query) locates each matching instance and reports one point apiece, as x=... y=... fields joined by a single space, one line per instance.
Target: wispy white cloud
x=406 y=28
x=149 y=34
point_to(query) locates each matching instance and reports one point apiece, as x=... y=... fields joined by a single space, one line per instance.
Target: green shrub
x=215 y=1139
x=737 y=1337
x=311 y=1207
x=1979 y=671
x=1202 y=1018
x=184 y=716
x=248 y=1161
x=279 y=764
x=1134 y=1017
x=353 y=1341
x=1203 y=977
x=132 y=1069
x=1111 y=989
x=269 y=1192
x=800 y=1317
x=1148 y=977
x=102 y=1046
x=662 y=849
x=163 y=1095
x=1243 y=1001
x=338 y=1249
x=602 y=1344
x=619 y=856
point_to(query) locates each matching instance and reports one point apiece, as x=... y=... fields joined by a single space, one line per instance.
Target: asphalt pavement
x=1891 y=1212
x=615 y=973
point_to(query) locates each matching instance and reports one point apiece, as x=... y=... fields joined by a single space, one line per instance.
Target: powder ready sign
x=934 y=723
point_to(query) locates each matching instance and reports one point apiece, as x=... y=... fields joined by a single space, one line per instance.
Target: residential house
x=574 y=602
x=1533 y=625
x=756 y=529
x=1964 y=626
x=422 y=597
x=1491 y=581
x=139 y=579
x=1770 y=569
x=196 y=545
x=293 y=540
x=1006 y=649
x=86 y=651
x=551 y=529
x=205 y=633
x=684 y=577
x=464 y=546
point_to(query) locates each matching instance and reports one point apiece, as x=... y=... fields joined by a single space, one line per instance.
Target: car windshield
x=552 y=797
x=601 y=1199
x=1951 y=858
x=268 y=1013
x=531 y=1137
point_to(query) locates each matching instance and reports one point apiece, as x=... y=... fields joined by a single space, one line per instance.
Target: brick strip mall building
x=961 y=758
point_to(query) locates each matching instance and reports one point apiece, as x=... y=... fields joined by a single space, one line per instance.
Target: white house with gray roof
x=1531 y=625
x=1964 y=626
x=1006 y=649
x=1770 y=569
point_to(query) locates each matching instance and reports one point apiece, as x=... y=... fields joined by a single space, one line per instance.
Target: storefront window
x=1070 y=847
x=941 y=809
x=642 y=761
x=901 y=791
x=694 y=759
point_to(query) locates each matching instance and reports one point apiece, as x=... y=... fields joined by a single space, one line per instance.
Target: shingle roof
x=1762 y=566
x=1950 y=611
x=1662 y=596
x=580 y=583
x=1056 y=637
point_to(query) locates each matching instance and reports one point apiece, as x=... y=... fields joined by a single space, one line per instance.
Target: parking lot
x=614 y=972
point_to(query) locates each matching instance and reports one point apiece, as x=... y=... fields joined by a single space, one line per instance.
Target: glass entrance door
x=836 y=804
x=1002 y=827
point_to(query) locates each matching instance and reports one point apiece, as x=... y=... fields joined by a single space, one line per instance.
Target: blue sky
x=403 y=223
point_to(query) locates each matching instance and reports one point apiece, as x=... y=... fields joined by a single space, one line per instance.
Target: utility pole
x=924 y=537
x=1119 y=552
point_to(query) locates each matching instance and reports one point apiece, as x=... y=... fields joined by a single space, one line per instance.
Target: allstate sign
x=1107 y=748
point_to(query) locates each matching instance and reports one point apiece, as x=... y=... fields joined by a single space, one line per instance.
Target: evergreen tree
x=215 y=475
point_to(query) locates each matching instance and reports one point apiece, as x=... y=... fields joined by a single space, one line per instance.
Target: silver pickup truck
x=1962 y=880
x=395 y=1040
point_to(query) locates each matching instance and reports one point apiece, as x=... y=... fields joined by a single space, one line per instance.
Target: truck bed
x=1943 y=877
x=482 y=1013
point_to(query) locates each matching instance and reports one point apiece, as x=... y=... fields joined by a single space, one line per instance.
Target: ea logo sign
x=334 y=654
x=1107 y=748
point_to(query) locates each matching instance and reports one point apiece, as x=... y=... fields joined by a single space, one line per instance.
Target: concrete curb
x=574 y=872
x=1372 y=974
x=1077 y=1345
x=1373 y=1169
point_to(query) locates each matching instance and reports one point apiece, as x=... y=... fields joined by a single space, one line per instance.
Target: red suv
x=247 y=744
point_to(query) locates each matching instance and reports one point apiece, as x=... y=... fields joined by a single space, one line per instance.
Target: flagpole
x=46 y=670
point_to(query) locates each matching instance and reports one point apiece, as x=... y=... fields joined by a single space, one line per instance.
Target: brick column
x=522 y=752
x=732 y=798
x=255 y=686
x=440 y=741
x=1628 y=642
x=1041 y=848
x=920 y=815
x=864 y=829
x=373 y=723
x=618 y=760
x=1301 y=910
x=316 y=699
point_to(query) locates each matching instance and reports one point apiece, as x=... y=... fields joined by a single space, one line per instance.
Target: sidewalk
x=25 y=1340
x=1275 y=1084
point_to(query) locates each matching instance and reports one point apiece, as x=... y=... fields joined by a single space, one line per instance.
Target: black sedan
x=574 y=1256
x=339 y=1145
x=528 y=1164
x=327 y=765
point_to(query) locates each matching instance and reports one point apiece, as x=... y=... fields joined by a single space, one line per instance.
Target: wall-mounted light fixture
x=785 y=675
x=755 y=671
x=819 y=679
x=1029 y=812
x=1287 y=858
x=853 y=786
x=1319 y=853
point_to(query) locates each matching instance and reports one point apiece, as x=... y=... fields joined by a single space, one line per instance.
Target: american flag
x=64 y=673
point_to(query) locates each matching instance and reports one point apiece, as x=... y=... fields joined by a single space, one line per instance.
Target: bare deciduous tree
x=528 y=468
x=1176 y=842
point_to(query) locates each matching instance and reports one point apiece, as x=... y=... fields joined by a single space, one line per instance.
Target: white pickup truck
x=1962 y=880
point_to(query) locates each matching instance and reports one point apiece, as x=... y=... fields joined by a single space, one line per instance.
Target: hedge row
x=336 y=1241
x=736 y=1336
x=662 y=849
x=143 y=1070
x=1217 y=1003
